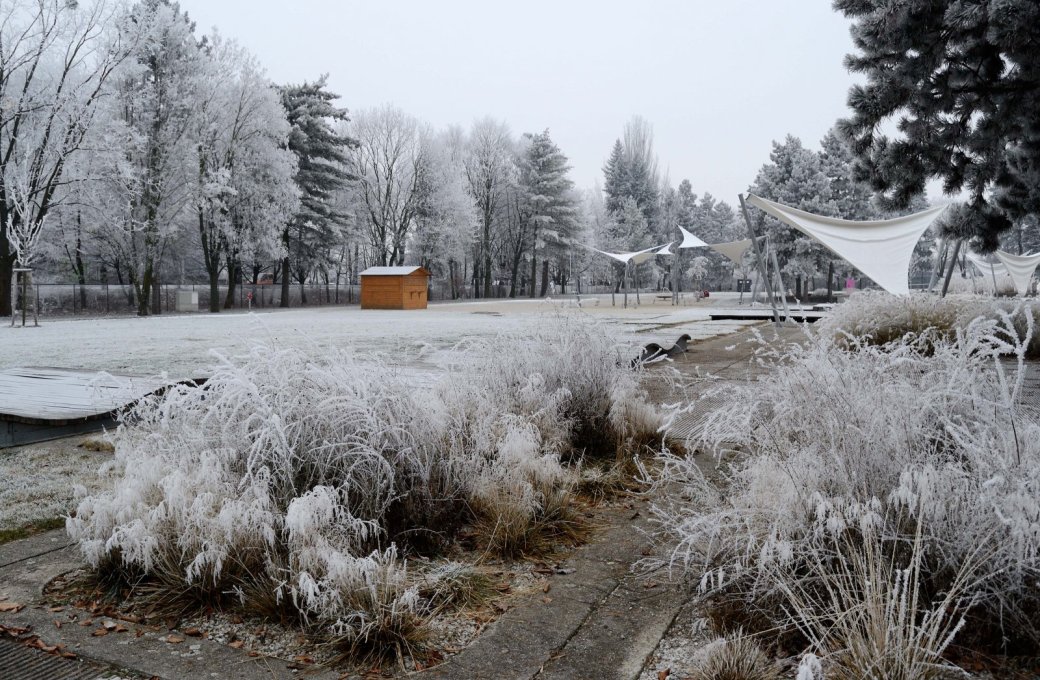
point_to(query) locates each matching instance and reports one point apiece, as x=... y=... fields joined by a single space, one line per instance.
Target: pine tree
x=963 y=81
x=631 y=172
x=614 y=185
x=552 y=206
x=322 y=163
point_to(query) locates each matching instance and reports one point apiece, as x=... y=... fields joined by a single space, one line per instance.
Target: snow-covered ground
x=180 y=345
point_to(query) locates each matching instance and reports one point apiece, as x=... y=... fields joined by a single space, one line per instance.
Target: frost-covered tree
x=55 y=60
x=321 y=169
x=794 y=176
x=490 y=172
x=549 y=194
x=962 y=80
x=153 y=105
x=447 y=217
x=243 y=187
x=631 y=170
x=391 y=162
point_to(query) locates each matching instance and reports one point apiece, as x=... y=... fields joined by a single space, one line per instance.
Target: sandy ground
x=179 y=345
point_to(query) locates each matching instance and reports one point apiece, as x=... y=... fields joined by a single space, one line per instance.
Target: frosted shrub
x=877 y=441
x=877 y=317
x=297 y=480
x=285 y=469
x=578 y=367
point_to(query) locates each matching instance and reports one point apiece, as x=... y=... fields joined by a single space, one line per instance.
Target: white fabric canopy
x=993 y=268
x=1020 y=268
x=637 y=257
x=690 y=241
x=880 y=249
x=734 y=250
x=666 y=250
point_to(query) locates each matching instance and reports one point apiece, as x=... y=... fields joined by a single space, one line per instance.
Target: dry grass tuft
x=736 y=657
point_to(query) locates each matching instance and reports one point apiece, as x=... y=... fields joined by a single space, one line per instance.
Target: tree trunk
x=285 y=282
x=545 y=279
x=951 y=263
x=534 y=272
x=234 y=272
x=6 y=270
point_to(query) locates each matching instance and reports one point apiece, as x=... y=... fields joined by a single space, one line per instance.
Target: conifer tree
x=962 y=79
x=552 y=205
x=321 y=159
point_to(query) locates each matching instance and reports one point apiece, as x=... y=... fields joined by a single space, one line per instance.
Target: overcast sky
x=717 y=79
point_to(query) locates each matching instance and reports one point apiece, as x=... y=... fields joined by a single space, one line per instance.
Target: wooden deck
x=766 y=314
x=45 y=403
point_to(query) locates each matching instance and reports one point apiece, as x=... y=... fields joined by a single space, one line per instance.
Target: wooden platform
x=45 y=403
x=766 y=314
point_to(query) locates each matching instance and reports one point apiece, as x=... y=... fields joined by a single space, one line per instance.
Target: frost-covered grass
x=880 y=497
x=299 y=481
x=37 y=483
x=878 y=317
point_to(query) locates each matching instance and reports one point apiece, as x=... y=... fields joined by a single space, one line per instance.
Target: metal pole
x=763 y=268
x=780 y=280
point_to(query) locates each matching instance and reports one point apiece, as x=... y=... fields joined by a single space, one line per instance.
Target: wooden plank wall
x=394 y=292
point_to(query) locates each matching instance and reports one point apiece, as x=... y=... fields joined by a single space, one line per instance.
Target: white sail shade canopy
x=733 y=250
x=667 y=250
x=994 y=268
x=881 y=249
x=1020 y=268
x=636 y=257
x=690 y=241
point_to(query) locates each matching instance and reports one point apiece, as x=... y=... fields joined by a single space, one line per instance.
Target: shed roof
x=391 y=271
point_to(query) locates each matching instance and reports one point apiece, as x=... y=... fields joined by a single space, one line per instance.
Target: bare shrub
x=881 y=442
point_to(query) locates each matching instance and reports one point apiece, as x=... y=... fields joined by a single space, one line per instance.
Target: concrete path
x=26 y=566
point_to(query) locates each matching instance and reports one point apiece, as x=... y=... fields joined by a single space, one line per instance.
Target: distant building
x=394 y=288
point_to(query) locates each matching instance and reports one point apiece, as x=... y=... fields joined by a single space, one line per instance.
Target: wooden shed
x=394 y=288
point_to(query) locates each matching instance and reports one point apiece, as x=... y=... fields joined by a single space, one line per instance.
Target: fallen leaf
x=237 y=644
x=56 y=609
x=120 y=628
x=10 y=607
x=138 y=633
x=546 y=600
x=57 y=624
x=663 y=675
x=174 y=639
x=100 y=632
x=651 y=584
x=546 y=588
x=303 y=658
x=193 y=632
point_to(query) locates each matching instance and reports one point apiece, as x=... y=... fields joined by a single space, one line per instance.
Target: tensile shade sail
x=1020 y=268
x=881 y=249
x=994 y=268
x=733 y=250
x=690 y=241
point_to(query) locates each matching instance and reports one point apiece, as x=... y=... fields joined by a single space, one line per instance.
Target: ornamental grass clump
x=296 y=483
x=923 y=460
x=878 y=318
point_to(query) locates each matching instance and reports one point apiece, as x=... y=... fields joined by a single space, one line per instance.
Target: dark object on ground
x=654 y=352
